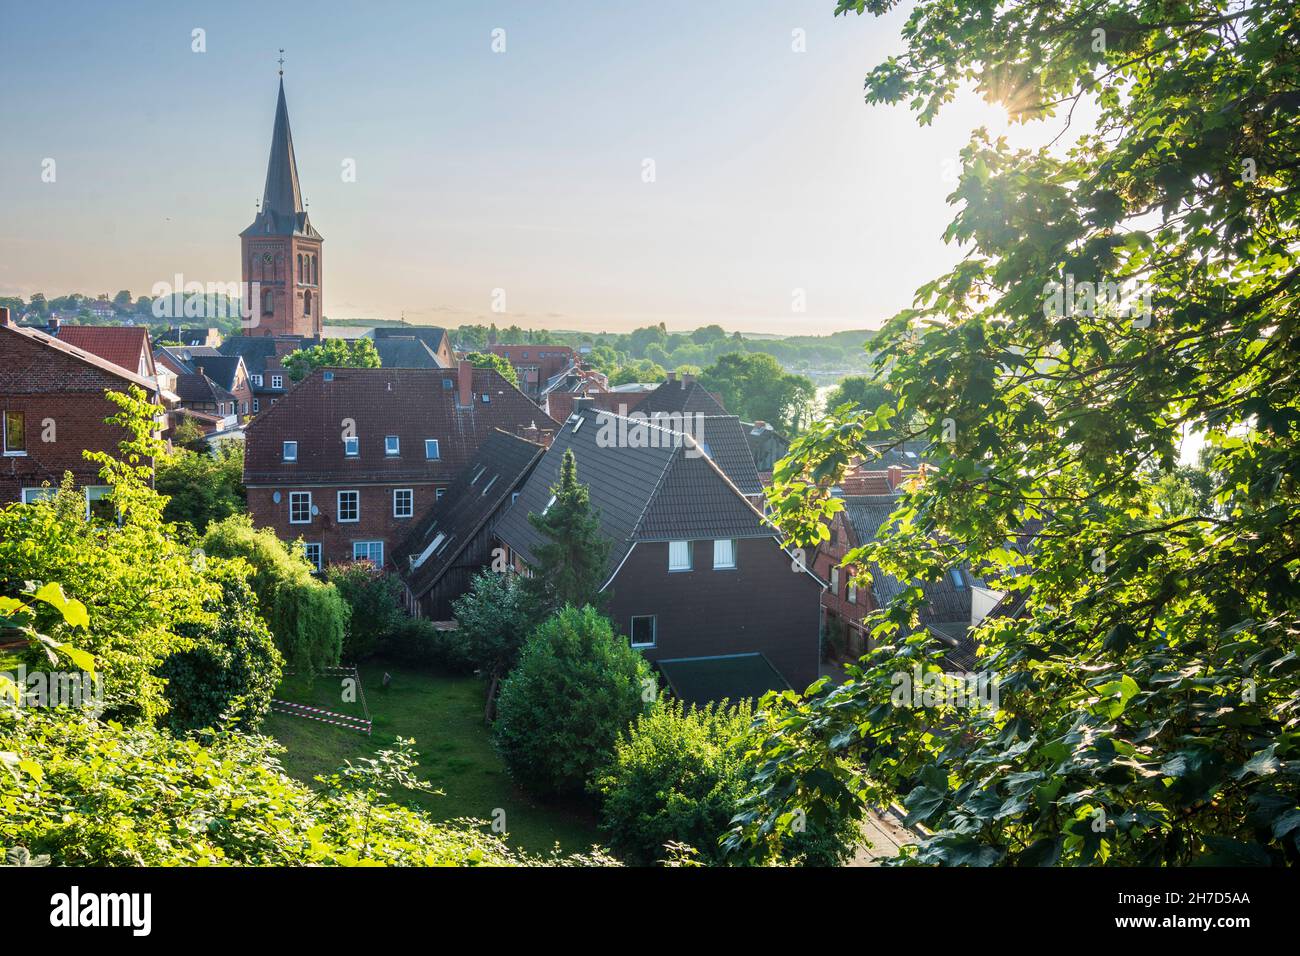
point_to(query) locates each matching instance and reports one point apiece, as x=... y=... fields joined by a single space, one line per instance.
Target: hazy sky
x=477 y=170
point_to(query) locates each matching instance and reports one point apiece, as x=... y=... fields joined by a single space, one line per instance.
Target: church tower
x=281 y=252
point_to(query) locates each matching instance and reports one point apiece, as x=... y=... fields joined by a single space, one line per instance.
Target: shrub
x=96 y=794
x=372 y=594
x=416 y=641
x=578 y=684
x=493 y=620
x=203 y=486
x=677 y=775
x=233 y=667
x=307 y=616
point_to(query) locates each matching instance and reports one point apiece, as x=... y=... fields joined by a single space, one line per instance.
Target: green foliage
x=203 y=486
x=493 y=621
x=755 y=387
x=229 y=674
x=332 y=353
x=578 y=684
x=372 y=594
x=417 y=642
x=138 y=577
x=498 y=362
x=107 y=795
x=570 y=563
x=308 y=617
x=677 y=776
x=638 y=370
x=1148 y=712
x=861 y=392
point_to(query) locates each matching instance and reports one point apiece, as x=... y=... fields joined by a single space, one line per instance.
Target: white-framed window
x=835 y=580
x=679 y=555
x=352 y=447
x=290 y=451
x=99 y=504
x=403 y=502
x=349 y=506
x=257 y=380
x=257 y=406
x=431 y=452
x=372 y=551
x=300 y=507
x=15 y=433
x=642 y=631
x=724 y=554
x=33 y=495
x=392 y=445
x=277 y=381
x=311 y=551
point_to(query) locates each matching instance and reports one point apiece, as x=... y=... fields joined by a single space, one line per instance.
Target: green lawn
x=445 y=716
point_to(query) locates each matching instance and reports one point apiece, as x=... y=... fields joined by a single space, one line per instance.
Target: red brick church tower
x=281 y=252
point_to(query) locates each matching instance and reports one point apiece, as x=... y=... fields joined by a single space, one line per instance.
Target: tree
x=860 y=392
x=232 y=668
x=1146 y=695
x=138 y=576
x=493 y=619
x=202 y=487
x=576 y=687
x=639 y=370
x=754 y=386
x=331 y=353
x=570 y=562
x=678 y=775
x=309 y=618
x=494 y=361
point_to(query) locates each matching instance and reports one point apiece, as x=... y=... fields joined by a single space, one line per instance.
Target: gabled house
x=681 y=394
x=350 y=459
x=52 y=407
x=454 y=540
x=268 y=379
x=406 y=351
x=123 y=345
x=697 y=578
x=434 y=338
x=208 y=381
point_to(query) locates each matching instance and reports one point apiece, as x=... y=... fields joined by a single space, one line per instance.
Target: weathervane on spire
x=281 y=61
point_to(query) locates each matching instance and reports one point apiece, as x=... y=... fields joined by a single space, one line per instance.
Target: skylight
x=424 y=555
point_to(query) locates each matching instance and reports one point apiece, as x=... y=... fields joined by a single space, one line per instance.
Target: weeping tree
x=1131 y=283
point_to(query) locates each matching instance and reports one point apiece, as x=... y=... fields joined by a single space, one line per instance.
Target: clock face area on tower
x=281 y=250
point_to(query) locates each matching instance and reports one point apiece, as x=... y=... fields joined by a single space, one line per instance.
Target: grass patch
x=445 y=716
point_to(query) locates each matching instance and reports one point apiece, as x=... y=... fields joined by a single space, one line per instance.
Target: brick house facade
x=350 y=459
x=53 y=407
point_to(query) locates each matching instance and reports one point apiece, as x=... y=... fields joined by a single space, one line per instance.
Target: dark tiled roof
x=258 y=351
x=17 y=381
x=406 y=352
x=502 y=462
x=413 y=404
x=196 y=388
x=222 y=369
x=681 y=396
x=725 y=441
x=701 y=680
x=766 y=444
x=662 y=490
x=430 y=335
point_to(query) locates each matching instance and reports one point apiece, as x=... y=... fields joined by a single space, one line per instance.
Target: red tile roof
x=120 y=344
x=413 y=404
x=90 y=358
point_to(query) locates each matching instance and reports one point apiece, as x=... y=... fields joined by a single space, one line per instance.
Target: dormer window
x=352 y=447
x=290 y=451
x=392 y=445
x=431 y=449
x=277 y=381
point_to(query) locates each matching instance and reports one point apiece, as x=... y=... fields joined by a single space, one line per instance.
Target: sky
x=774 y=184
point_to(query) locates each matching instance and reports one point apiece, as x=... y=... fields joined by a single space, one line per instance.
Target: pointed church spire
x=282 y=195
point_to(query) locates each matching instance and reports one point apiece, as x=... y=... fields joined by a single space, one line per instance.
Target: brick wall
x=762 y=605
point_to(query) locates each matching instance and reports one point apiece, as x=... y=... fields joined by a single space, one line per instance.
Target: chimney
x=55 y=324
x=672 y=376
x=583 y=404
x=687 y=379
x=895 y=475
x=4 y=316
x=465 y=382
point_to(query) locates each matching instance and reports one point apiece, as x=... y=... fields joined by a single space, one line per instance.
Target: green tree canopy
x=570 y=566
x=498 y=362
x=332 y=353
x=1147 y=707
x=754 y=386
